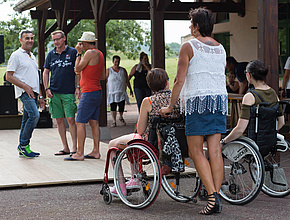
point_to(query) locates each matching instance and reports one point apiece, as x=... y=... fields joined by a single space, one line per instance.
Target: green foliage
x=11 y=30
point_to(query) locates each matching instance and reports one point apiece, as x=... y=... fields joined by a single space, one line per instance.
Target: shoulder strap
x=149 y=100
x=254 y=92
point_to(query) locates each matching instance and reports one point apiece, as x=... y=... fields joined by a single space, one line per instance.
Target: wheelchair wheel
x=243 y=171
x=277 y=171
x=183 y=186
x=145 y=170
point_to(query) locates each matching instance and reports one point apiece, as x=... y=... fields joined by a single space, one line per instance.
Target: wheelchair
x=247 y=172
x=140 y=160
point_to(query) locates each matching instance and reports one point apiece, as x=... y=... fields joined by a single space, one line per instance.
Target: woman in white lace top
x=200 y=83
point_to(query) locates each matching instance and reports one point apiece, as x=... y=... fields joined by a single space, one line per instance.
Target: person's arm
x=11 y=78
x=185 y=55
x=285 y=80
x=243 y=87
x=281 y=122
x=78 y=88
x=132 y=72
x=103 y=76
x=143 y=117
x=127 y=82
x=234 y=86
x=242 y=124
x=146 y=65
x=107 y=74
x=45 y=83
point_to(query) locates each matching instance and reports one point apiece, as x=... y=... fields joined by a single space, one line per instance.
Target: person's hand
x=165 y=111
x=48 y=93
x=78 y=93
x=131 y=93
x=79 y=48
x=29 y=91
x=41 y=104
x=283 y=93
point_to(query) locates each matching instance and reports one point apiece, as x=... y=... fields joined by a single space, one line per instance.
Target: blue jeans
x=29 y=119
x=140 y=94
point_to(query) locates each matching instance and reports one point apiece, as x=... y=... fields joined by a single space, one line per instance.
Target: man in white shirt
x=22 y=71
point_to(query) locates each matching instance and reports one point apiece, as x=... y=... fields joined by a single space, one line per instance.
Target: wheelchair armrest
x=264 y=104
x=282 y=102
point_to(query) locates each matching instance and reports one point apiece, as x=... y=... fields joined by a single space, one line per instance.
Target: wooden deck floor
x=47 y=169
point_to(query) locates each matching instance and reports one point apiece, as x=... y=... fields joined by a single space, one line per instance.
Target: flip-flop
x=90 y=157
x=61 y=152
x=71 y=159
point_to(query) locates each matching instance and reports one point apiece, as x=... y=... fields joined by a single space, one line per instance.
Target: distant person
x=117 y=83
x=139 y=71
x=201 y=85
x=61 y=90
x=286 y=86
x=22 y=71
x=232 y=84
x=92 y=68
x=238 y=69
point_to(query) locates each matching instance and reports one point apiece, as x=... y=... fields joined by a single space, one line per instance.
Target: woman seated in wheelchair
x=256 y=73
x=157 y=80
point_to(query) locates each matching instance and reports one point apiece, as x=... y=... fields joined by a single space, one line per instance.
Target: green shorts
x=62 y=105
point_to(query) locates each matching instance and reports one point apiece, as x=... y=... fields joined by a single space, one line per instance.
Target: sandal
x=114 y=124
x=123 y=121
x=214 y=205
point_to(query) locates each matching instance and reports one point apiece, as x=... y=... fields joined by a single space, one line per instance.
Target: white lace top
x=116 y=87
x=204 y=88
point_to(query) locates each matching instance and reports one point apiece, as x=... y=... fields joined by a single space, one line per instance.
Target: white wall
x=243 y=42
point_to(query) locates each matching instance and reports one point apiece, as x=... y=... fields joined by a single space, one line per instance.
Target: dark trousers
x=140 y=94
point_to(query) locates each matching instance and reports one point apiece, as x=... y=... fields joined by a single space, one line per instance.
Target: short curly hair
x=204 y=18
x=157 y=79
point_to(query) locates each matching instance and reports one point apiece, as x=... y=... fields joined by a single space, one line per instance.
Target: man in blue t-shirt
x=238 y=69
x=61 y=90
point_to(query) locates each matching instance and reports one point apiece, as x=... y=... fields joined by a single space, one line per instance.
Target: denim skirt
x=205 y=124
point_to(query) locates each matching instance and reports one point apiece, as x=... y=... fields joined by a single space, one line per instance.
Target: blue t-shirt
x=61 y=66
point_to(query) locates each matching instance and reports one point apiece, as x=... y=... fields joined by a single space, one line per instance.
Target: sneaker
x=133 y=183
x=113 y=190
x=36 y=154
x=25 y=151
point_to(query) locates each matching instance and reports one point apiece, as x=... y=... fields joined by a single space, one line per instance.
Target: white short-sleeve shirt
x=25 y=69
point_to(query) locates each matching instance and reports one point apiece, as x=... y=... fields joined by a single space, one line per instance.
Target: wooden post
x=268 y=45
x=41 y=45
x=99 y=10
x=157 y=35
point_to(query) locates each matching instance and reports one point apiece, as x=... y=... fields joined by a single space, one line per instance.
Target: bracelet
x=222 y=141
x=40 y=97
x=46 y=89
x=171 y=105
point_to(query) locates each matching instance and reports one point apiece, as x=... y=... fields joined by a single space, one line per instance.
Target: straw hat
x=88 y=37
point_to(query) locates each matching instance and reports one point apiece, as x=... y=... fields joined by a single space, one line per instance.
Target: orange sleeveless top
x=91 y=75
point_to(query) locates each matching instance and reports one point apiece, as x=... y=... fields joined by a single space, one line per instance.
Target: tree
x=126 y=36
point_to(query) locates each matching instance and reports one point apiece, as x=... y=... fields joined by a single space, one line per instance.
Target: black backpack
x=263 y=125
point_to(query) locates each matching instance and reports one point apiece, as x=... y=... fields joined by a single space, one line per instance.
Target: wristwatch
x=79 y=55
x=78 y=86
x=222 y=141
x=41 y=97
